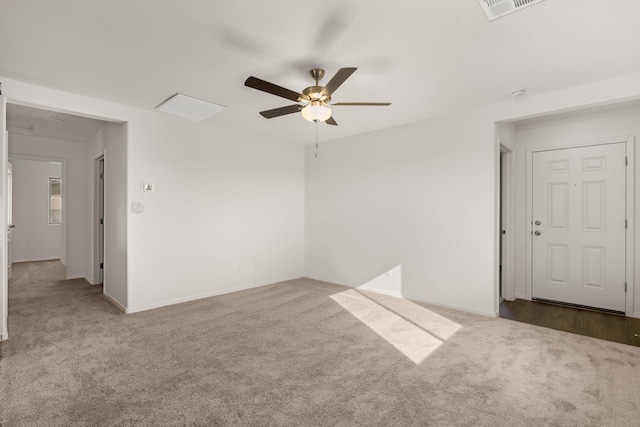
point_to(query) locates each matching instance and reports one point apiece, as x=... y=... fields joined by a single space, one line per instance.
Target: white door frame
x=98 y=213
x=4 y=282
x=10 y=225
x=630 y=197
x=507 y=214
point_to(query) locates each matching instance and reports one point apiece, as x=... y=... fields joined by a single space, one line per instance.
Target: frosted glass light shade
x=317 y=111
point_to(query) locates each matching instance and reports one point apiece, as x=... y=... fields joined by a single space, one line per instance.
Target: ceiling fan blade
x=335 y=82
x=265 y=86
x=370 y=104
x=331 y=121
x=282 y=111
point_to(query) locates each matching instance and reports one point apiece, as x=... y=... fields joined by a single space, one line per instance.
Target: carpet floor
x=296 y=353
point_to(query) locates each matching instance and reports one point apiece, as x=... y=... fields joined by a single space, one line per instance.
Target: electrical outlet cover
x=137 y=207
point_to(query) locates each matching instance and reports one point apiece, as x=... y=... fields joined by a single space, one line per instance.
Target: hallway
x=41 y=286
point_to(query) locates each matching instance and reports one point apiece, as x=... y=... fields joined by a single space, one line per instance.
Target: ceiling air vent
x=189 y=108
x=496 y=8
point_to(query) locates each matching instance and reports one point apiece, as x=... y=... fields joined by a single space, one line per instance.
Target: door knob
x=537 y=232
x=537 y=222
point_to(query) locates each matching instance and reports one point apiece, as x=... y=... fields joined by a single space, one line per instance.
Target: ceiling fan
x=315 y=99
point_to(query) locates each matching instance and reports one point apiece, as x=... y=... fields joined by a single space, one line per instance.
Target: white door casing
x=99 y=220
x=4 y=295
x=9 y=215
x=579 y=225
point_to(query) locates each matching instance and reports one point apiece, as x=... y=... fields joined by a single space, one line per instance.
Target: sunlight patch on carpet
x=401 y=323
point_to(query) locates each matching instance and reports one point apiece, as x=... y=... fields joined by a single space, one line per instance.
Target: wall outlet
x=256 y=266
x=137 y=207
x=234 y=268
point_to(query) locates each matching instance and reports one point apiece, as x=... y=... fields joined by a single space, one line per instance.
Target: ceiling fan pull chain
x=316 y=139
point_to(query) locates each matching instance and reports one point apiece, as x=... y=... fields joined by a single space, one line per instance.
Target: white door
x=579 y=227
x=4 y=296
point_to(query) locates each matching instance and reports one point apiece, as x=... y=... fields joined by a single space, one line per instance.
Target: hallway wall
x=73 y=204
x=33 y=238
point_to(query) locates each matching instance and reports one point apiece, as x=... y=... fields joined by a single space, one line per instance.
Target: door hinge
x=101 y=176
x=102 y=266
x=625 y=286
x=626 y=223
x=102 y=221
x=626 y=161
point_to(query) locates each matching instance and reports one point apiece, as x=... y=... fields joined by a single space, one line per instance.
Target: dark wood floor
x=605 y=326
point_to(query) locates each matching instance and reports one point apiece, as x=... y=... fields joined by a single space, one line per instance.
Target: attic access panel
x=494 y=9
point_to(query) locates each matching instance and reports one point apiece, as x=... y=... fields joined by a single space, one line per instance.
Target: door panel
x=578 y=207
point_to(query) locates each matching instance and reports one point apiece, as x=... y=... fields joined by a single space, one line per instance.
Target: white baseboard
x=380 y=291
x=521 y=296
x=114 y=302
x=16 y=261
x=78 y=276
x=636 y=314
x=411 y=298
x=206 y=295
x=458 y=307
x=328 y=280
x=4 y=337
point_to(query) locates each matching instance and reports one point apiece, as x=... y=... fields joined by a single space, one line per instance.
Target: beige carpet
x=298 y=353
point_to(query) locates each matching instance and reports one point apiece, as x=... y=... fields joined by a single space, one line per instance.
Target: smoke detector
x=494 y=9
x=58 y=119
x=518 y=93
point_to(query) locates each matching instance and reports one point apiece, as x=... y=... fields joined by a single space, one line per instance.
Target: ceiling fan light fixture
x=316 y=111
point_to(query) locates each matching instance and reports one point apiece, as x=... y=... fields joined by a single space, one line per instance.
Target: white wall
x=94 y=149
x=562 y=132
x=505 y=220
x=116 y=245
x=222 y=198
x=425 y=197
x=418 y=197
x=33 y=238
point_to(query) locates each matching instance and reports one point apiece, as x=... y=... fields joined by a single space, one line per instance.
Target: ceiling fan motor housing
x=314 y=93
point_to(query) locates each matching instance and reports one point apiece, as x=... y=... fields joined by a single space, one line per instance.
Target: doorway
x=506 y=235
x=99 y=221
x=78 y=140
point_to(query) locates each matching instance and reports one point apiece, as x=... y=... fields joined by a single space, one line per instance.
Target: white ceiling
x=426 y=57
x=49 y=124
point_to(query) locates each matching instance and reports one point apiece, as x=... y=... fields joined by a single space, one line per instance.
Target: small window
x=55 y=201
